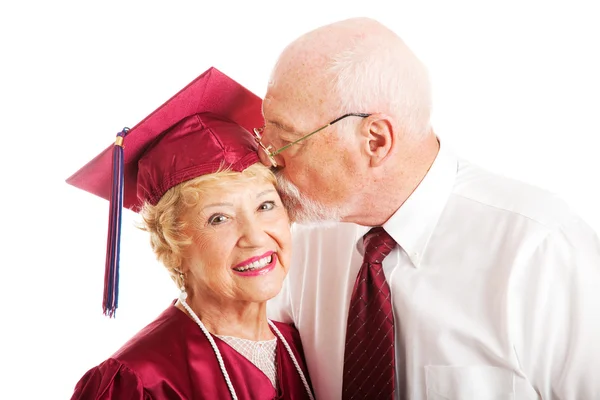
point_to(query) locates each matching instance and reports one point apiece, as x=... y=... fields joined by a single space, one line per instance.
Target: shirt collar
x=413 y=223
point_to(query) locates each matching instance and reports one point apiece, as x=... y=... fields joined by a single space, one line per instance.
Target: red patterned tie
x=369 y=356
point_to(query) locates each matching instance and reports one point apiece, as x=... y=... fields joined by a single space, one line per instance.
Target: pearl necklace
x=183 y=296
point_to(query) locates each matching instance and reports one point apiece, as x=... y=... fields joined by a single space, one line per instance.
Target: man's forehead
x=293 y=106
x=296 y=82
x=288 y=119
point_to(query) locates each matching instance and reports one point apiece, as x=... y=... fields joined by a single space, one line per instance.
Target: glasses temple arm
x=299 y=140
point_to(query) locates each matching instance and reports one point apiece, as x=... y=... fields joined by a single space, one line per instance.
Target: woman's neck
x=246 y=320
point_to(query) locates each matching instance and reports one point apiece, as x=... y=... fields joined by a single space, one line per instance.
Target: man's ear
x=378 y=138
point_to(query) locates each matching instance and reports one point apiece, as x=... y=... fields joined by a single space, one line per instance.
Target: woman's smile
x=256 y=266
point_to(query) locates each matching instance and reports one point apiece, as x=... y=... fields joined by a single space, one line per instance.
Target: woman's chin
x=264 y=291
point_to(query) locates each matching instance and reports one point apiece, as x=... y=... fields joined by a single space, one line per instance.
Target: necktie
x=369 y=355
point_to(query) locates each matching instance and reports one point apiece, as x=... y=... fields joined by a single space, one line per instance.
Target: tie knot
x=378 y=244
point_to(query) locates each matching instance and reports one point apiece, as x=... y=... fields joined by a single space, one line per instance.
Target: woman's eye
x=217 y=219
x=267 y=206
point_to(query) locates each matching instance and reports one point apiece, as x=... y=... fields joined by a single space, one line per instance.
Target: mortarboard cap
x=202 y=128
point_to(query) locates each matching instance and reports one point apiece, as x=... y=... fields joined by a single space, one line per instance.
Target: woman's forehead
x=239 y=190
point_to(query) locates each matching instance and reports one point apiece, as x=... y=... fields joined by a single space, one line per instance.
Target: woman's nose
x=253 y=234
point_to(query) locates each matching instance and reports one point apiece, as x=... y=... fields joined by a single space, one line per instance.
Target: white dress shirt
x=495 y=288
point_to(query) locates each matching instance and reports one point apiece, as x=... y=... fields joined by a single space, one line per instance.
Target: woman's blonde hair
x=166 y=221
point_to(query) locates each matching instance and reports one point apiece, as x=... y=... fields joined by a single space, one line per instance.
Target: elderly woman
x=217 y=223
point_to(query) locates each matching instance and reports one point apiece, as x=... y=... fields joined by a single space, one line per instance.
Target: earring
x=182 y=294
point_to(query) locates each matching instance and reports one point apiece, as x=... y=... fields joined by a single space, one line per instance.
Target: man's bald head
x=357 y=65
x=360 y=69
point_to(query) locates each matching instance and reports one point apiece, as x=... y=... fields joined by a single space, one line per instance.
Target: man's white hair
x=302 y=209
x=379 y=73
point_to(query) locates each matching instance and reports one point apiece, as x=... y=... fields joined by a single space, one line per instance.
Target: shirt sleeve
x=110 y=380
x=555 y=321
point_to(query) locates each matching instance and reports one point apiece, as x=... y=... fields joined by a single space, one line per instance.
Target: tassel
x=113 y=243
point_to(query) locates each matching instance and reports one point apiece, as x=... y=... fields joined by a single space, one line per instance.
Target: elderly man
x=433 y=278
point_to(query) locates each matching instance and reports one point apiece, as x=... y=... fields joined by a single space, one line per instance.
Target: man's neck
x=379 y=200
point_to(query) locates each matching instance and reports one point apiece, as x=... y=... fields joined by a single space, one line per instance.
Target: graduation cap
x=201 y=129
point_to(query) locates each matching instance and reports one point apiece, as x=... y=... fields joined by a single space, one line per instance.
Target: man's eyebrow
x=281 y=125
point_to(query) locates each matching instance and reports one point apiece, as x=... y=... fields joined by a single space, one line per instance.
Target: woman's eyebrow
x=217 y=205
x=265 y=192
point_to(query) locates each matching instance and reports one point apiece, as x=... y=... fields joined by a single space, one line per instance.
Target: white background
x=516 y=90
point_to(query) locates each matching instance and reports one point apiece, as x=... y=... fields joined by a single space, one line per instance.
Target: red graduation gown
x=172 y=359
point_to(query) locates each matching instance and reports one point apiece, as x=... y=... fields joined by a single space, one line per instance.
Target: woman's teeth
x=263 y=262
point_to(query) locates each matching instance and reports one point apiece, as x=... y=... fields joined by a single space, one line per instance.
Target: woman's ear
x=378 y=135
x=180 y=271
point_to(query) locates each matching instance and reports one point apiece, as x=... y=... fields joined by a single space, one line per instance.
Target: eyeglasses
x=268 y=150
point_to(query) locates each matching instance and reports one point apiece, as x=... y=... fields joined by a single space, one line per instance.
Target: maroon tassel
x=113 y=243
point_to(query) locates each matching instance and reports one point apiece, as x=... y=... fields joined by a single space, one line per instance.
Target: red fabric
x=197 y=145
x=212 y=92
x=172 y=359
x=369 y=355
